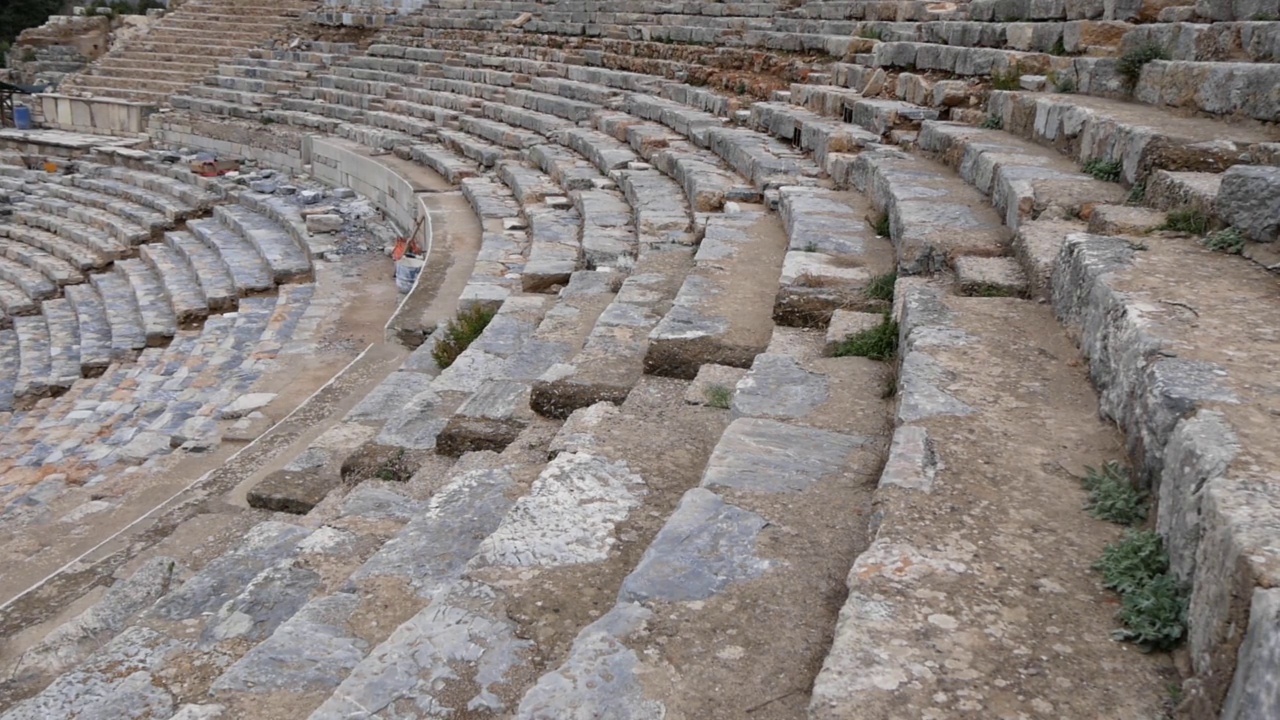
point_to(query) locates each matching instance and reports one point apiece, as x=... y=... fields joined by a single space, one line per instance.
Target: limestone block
x=1249 y=200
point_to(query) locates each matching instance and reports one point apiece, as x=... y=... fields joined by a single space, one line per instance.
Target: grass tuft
x=719 y=396
x=1228 y=241
x=1106 y=170
x=395 y=468
x=1112 y=496
x=1006 y=79
x=461 y=331
x=871 y=33
x=877 y=343
x=882 y=225
x=880 y=287
x=1131 y=63
x=1187 y=220
x=993 y=122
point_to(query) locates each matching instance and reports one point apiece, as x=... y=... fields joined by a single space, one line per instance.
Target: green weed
x=1228 y=241
x=1187 y=220
x=1106 y=170
x=1131 y=63
x=1154 y=615
x=877 y=343
x=882 y=225
x=1112 y=496
x=719 y=396
x=993 y=122
x=880 y=287
x=461 y=331
x=1006 y=79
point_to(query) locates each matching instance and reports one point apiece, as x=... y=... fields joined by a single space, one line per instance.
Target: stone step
x=93 y=241
x=833 y=254
x=34 y=374
x=950 y=489
x=1234 y=41
x=286 y=260
x=128 y=335
x=721 y=313
x=216 y=284
x=494 y=416
x=570 y=521
x=555 y=247
x=611 y=360
x=171 y=208
x=13 y=301
x=184 y=193
x=55 y=269
x=124 y=231
x=9 y=362
x=32 y=283
x=182 y=290
x=64 y=342
x=1207 y=465
x=248 y=270
x=428 y=554
x=236 y=599
x=1022 y=179
x=1139 y=137
x=158 y=320
x=96 y=351
x=140 y=215
x=776 y=515
x=928 y=231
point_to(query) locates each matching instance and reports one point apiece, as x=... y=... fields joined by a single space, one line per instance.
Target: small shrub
x=460 y=333
x=1106 y=170
x=880 y=287
x=719 y=396
x=1006 y=79
x=993 y=122
x=1133 y=562
x=1228 y=241
x=881 y=225
x=1187 y=220
x=877 y=343
x=395 y=468
x=1155 y=614
x=1131 y=63
x=1112 y=496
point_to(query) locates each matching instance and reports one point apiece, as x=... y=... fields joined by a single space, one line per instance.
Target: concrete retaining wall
x=99 y=116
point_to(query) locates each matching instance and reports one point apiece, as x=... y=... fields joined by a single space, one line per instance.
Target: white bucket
x=407 y=269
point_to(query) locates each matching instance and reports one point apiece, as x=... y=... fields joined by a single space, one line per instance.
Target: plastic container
x=22 y=117
x=407 y=269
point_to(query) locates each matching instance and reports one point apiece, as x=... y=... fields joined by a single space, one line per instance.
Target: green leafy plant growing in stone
x=718 y=396
x=395 y=468
x=881 y=225
x=1106 y=170
x=1187 y=220
x=993 y=122
x=871 y=33
x=877 y=343
x=458 y=335
x=1131 y=63
x=1228 y=241
x=880 y=287
x=1006 y=79
x=1112 y=496
x=1153 y=604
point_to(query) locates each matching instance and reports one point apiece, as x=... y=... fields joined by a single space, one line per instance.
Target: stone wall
x=65 y=44
x=364 y=13
x=273 y=147
x=390 y=192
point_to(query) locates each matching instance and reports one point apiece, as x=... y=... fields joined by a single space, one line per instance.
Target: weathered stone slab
x=1249 y=200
